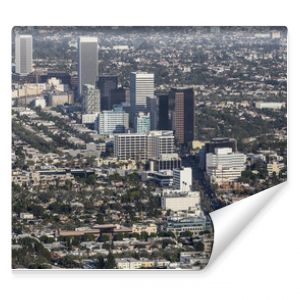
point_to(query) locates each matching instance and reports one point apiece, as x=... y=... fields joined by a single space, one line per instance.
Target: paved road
x=198 y=175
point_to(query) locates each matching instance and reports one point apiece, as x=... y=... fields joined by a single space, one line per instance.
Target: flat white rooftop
x=88 y=39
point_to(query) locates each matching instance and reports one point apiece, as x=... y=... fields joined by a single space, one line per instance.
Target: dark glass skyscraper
x=107 y=83
x=182 y=106
x=163 y=112
x=118 y=96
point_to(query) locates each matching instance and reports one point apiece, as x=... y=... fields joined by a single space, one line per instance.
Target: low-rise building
x=26 y=216
x=128 y=263
x=269 y=105
x=176 y=200
x=60 y=98
x=89 y=118
x=163 y=178
x=195 y=225
x=149 y=228
x=168 y=161
x=275 y=167
x=189 y=259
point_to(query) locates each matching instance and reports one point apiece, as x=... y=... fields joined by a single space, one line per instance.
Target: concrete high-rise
x=91 y=99
x=23 y=54
x=182 y=107
x=141 y=87
x=87 y=61
x=143 y=146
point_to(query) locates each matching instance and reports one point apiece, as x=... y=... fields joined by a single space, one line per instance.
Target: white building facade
x=180 y=201
x=225 y=165
x=87 y=61
x=112 y=121
x=141 y=87
x=89 y=118
x=143 y=146
x=23 y=54
x=182 y=179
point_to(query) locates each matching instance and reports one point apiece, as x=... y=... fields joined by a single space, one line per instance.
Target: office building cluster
x=174 y=111
x=100 y=93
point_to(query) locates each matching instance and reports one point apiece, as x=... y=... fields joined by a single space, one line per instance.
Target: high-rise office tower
x=91 y=99
x=118 y=96
x=106 y=83
x=141 y=87
x=163 y=112
x=23 y=54
x=182 y=109
x=87 y=61
x=152 y=108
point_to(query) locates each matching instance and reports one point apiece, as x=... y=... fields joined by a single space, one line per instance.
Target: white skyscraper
x=141 y=87
x=23 y=54
x=91 y=99
x=87 y=61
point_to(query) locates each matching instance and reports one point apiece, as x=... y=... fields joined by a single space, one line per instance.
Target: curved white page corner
x=231 y=220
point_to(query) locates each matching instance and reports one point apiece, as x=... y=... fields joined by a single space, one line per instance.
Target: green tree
x=110 y=261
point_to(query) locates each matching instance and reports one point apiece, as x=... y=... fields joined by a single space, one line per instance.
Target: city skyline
x=126 y=138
